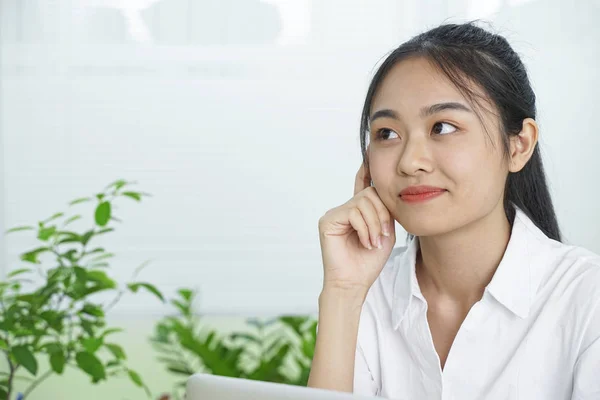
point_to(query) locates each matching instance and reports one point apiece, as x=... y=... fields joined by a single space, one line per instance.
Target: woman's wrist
x=350 y=297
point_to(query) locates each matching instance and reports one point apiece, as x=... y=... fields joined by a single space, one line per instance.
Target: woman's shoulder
x=569 y=264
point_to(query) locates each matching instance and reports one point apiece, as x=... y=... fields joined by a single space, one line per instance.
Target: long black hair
x=466 y=53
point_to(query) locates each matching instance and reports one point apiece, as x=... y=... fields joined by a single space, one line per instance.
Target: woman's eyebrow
x=425 y=111
x=435 y=108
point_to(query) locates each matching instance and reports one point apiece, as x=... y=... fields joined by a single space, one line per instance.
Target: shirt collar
x=512 y=284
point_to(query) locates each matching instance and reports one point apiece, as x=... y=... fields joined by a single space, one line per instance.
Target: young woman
x=485 y=302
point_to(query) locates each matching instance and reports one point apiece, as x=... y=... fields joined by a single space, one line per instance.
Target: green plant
x=278 y=350
x=50 y=308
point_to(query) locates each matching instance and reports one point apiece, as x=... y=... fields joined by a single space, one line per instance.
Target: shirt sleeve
x=586 y=377
x=364 y=384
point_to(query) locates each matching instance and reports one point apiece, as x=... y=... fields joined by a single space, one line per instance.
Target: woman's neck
x=457 y=266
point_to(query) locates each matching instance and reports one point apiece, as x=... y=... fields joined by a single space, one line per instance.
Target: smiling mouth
x=421 y=197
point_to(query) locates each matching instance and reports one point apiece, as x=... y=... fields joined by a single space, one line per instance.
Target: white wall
x=244 y=136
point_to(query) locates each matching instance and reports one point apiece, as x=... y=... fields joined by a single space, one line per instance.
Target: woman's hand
x=350 y=235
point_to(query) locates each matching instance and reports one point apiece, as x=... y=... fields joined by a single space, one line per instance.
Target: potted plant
x=49 y=308
x=277 y=350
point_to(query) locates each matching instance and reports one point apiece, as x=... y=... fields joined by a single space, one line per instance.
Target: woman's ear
x=523 y=145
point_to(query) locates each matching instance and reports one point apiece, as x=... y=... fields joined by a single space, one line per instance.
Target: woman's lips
x=421 y=197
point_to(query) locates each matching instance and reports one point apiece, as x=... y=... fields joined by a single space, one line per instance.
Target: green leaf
x=101 y=278
x=308 y=349
x=118 y=184
x=80 y=200
x=32 y=256
x=87 y=326
x=133 y=195
x=54 y=319
x=186 y=294
x=245 y=336
x=57 y=362
x=94 y=251
x=3 y=345
x=3 y=394
x=46 y=233
x=180 y=370
x=18 y=272
x=20 y=228
x=88 y=235
x=90 y=364
x=92 y=309
x=135 y=377
x=151 y=288
x=91 y=344
x=161 y=333
x=72 y=219
x=294 y=322
x=113 y=363
x=116 y=350
x=55 y=216
x=101 y=257
x=110 y=331
x=184 y=308
x=25 y=357
x=80 y=274
x=103 y=213
x=68 y=237
x=52 y=348
x=70 y=255
x=137 y=380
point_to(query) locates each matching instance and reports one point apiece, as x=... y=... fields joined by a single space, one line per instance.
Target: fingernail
x=379 y=242
x=385 y=231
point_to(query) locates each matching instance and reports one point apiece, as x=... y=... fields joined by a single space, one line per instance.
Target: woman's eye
x=443 y=128
x=381 y=133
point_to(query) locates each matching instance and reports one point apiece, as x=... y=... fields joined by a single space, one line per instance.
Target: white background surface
x=241 y=118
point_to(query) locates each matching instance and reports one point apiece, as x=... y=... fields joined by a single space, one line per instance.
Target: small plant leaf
x=46 y=233
x=16 y=272
x=135 y=377
x=116 y=350
x=186 y=294
x=133 y=195
x=90 y=364
x=110 y=331
x=103 y=213
x=72 y=219
x=25 y=357
x=118 y=184
x=57 y=362
x=151 y=288
x=32 y=256
x=80 y=200
x=20 y=228
x=91 y=344
x=55 y=216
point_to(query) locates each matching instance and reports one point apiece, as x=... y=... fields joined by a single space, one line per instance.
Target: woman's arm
x=335 y=348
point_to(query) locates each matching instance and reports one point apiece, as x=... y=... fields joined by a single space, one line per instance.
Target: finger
x=362 y=180
x=358 y=223
x=369 y=213
x=382 y=211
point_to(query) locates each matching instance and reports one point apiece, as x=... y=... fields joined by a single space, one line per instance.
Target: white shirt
x=534 y=335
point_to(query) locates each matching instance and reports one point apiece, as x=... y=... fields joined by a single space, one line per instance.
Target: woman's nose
x=415 y=157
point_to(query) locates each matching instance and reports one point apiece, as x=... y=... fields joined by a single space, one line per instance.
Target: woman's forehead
x=414 y=83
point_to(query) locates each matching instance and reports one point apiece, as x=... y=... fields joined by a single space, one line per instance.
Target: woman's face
x=428 y=134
